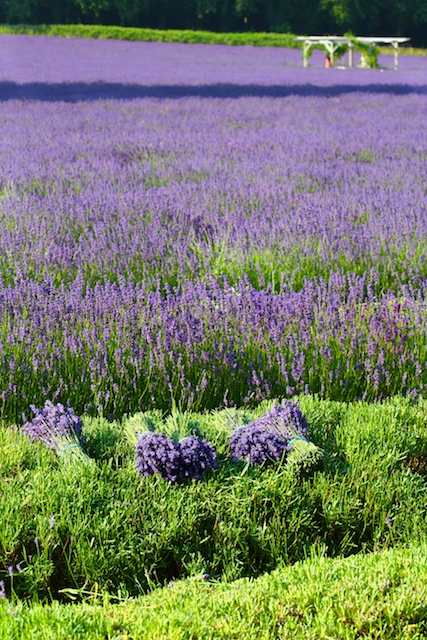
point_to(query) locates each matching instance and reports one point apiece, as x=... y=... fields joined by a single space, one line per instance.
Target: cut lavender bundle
x=197 y=457
x=304 y=458
x=189 y=458
x=273 y=436
x=267 y=438
x=255 y=444
x=57 y=428
x=285 y=419
x=156 y=453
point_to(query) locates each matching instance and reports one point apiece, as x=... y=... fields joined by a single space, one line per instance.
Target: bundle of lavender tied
x=59 y=429
x=191 y=457
x=279 y=434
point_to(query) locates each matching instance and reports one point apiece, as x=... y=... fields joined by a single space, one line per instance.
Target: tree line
x=362 y=17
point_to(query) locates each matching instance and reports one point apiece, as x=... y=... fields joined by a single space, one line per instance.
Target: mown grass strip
x=381 y=595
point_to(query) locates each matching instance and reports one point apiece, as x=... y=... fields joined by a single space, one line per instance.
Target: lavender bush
x=218 y=231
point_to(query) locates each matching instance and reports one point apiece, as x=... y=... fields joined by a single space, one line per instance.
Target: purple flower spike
x=53 y=424
x=257 y=445
x=197 y=457
x=156 y=453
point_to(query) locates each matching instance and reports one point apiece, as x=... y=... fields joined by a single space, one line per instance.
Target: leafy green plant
x=369 y=52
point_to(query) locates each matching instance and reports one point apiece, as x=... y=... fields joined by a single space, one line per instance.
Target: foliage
x=136 y=34
x=369 y=52
x=96 y=526
x=379 y=595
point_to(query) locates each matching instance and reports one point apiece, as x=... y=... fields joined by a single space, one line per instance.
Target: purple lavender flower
x=197 y=457
x=53 y=424
x=267 y=438
x=156 y=453
x=167 y=199
x=257 y=445
x=2 y=589
x=189 y=458
x=285 y=419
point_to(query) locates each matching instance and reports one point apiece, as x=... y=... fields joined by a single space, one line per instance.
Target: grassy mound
x=84 y=527
x=379 y=595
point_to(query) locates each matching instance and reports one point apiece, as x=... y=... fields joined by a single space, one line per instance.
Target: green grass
x=122 y=533
x=380 y=595
x=156 y=35
x=341 y=554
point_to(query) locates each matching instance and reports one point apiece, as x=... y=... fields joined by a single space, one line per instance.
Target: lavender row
x=122 y=348
x=269 y=189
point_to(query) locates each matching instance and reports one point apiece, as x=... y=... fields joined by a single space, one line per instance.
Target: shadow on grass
x=92 y=91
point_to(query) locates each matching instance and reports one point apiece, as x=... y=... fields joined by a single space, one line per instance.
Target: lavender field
x=208 y=225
